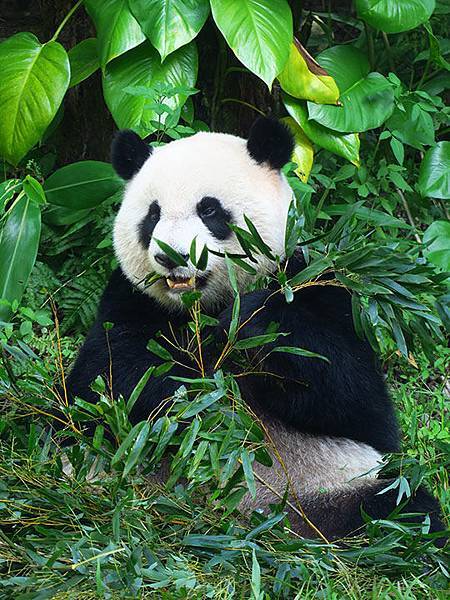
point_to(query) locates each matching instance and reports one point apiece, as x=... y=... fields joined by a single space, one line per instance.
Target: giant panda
x=331 y=422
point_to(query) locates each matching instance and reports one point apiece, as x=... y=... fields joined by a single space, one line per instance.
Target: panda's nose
x=167 y=262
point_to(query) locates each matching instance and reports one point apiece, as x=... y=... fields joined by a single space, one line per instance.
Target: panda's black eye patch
x=215 y=217
x=148 y=223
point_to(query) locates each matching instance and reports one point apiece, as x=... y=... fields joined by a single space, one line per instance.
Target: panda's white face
x=191 y=188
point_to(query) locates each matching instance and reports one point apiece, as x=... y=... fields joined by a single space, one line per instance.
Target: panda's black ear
x=270 y=141
x=128 y=153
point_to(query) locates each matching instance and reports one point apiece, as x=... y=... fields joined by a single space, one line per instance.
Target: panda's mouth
x=180 y=284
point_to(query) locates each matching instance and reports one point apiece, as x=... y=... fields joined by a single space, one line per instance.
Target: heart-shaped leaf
x=434 y=174
x=345 y=145
x=412 y=126
x=367 y=98
x=258 y=31
x=170 y=24
x=82 y=184
x=437 y=241
x=142 y=68
x=33 y=80
x=18 y=249
x=83 y=61
x=303 y=153
x=393 y=16
x=302 y=77
x=117 y=29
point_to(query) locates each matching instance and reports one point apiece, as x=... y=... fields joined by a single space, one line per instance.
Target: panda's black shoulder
x=121 y=302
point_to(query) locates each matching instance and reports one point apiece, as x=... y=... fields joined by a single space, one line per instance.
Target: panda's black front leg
x=342 y=396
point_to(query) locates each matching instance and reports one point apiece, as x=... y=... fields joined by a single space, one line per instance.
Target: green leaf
x=302 y=77
x=300 y=352
x=18 y=249
x=117 y=29
x=248 y=472
x=345 y=145
x=434 y=174
x=83 y=60
x=259 y=32
x=137 y=448
x=394 y=16
x=82 y=184
x=204 y=402
x=303 y=154
x=142 y=67
x=257 y=340
x=412 y=126
x=126 y=444
x=33 y=80
x=437 y=241
x=367 y=98
x=170 y=24
x=172 y=254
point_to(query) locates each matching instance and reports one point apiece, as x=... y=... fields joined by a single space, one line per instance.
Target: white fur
x=178 y=175
x=310 y=465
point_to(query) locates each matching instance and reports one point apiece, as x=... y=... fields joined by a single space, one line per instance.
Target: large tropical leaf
x=303 y=154
x=345 y=145
x=170 y=24
x=258 y=31
x=117 y=29
x=393 y=16
x=304 y=78
x=18 y=249
x=437 y=241
x=82 y=184
x=33 y=80
x=141 y=67
x=434 y=175
x=83 y=61
x=367 y=98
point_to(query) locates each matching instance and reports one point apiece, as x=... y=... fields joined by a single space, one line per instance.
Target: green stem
x=370 y=46
x=244 y=104
x=425 y=73
x=388 y=51
x=66 y=18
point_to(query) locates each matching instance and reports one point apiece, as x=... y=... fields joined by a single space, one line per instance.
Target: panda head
x=193 y=188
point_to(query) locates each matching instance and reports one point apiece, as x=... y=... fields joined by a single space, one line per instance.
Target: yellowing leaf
x=303 y=153
x=304 y=78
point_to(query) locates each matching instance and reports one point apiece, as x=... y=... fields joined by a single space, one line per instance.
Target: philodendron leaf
x=302 y=77
x=434 y=174
x=413 y=125
x=170 y=24
x=303 y=153
x=345 y=145
x=142 y=67
x=33 y=80
x=258 y=31
x=83 y=61
x=81 y=185
x=117 y=29
x=394 y=16
x=367 y=98
x=437 y=241
x=18 y=249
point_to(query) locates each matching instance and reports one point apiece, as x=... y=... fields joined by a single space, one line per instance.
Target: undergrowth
x=80 y=520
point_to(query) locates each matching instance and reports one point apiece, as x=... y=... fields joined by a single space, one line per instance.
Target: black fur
x=128 y=153
x=339 y=514
x=215 y=217
x=271 y=142
x=148 y=224
x=345 y=398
